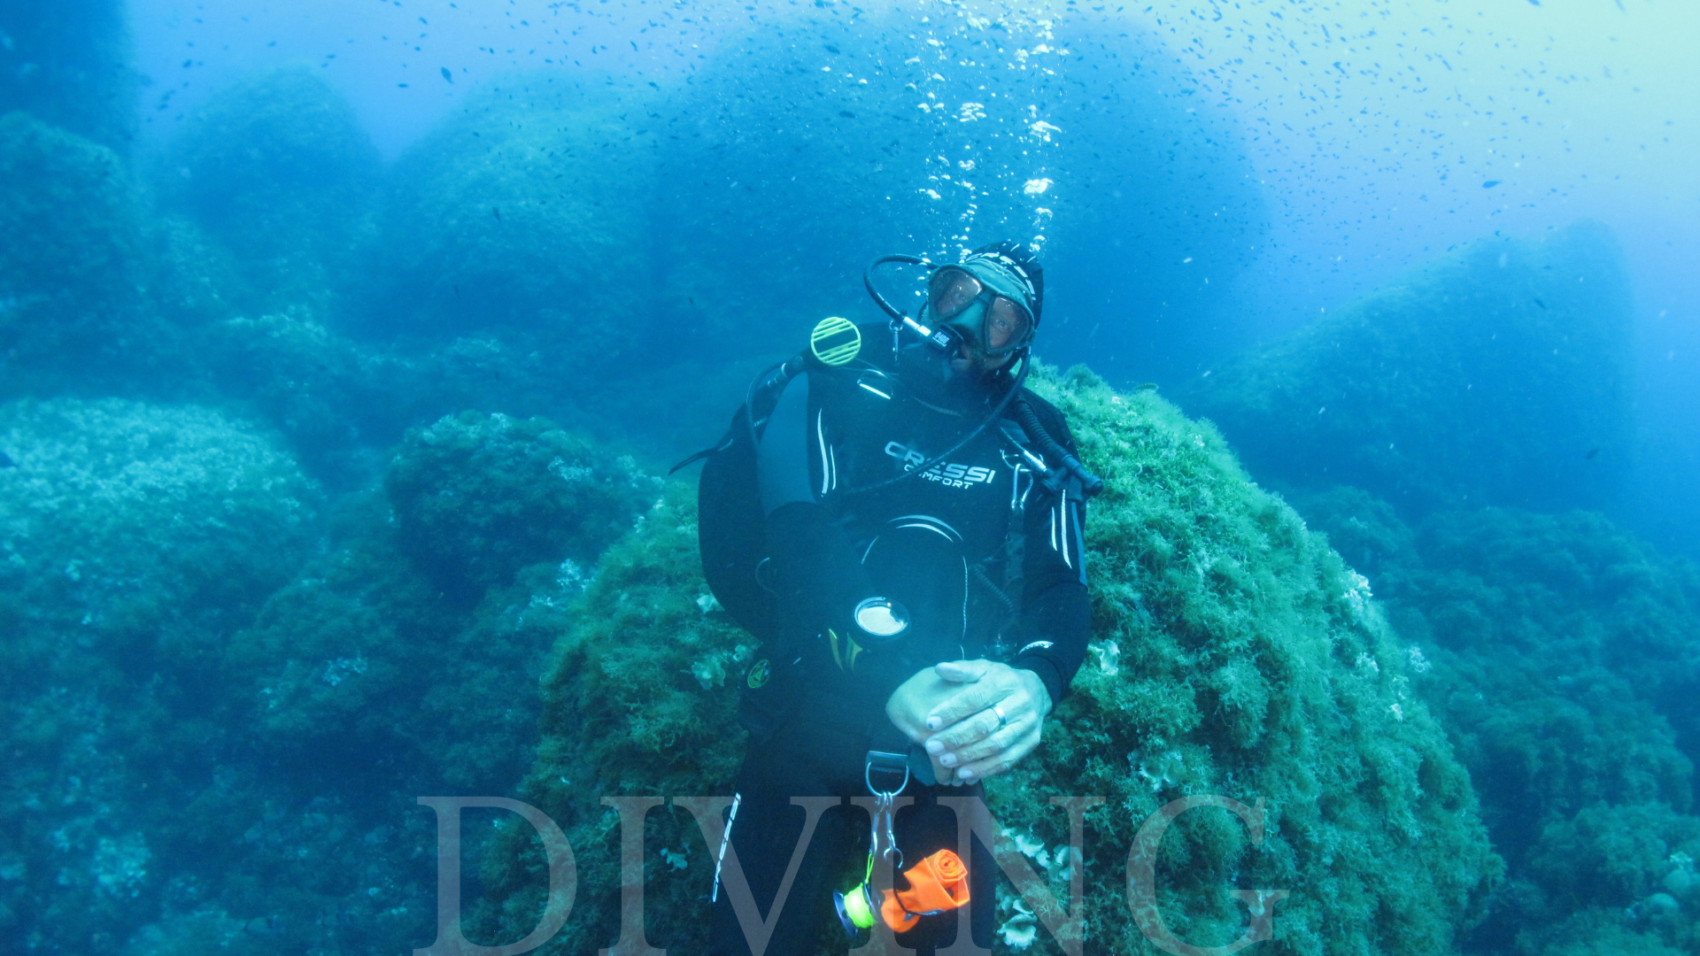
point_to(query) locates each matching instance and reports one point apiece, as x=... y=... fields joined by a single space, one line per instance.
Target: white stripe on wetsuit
x=828 y=466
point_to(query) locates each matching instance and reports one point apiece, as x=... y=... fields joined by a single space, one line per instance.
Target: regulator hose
x=1091 y=485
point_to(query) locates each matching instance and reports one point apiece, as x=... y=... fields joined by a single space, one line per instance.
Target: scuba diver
x=911 y=557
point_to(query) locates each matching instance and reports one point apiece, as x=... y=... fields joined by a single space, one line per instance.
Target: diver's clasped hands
x=976 y=718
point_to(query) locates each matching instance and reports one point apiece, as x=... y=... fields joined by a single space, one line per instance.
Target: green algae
x=1559 y=654
x=221 y=706
x=1233 y=653
x=527 y=210
x=477 y=497
x=70 y=274
x=133 y=540
x=116 y=509
x=277 y=169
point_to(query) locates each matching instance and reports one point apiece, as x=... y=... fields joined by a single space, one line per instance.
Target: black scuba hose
x=1028 y=419
x=765 y=380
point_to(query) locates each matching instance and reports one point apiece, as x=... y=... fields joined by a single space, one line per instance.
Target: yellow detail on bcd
x=844 y=657
x=759 y=673
x=835 y=340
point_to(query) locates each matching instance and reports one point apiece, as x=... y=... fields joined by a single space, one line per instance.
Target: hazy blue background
x=1372 y=129
x=338 y=341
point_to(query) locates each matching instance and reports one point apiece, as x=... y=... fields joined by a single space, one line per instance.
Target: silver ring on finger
x=1002 y=720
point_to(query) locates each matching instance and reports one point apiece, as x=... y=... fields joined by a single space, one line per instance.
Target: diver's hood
x=1006 y=277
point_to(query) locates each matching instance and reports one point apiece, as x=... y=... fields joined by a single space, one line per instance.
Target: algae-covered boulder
x=133 y=540
x=365 y=654
x=277 y=169
x=219 y=721
x=1498 y=374
x=73 y=277
x=322 y=391
x=362 y=685
x=1563 y=658
x=477 y=497
x=524 y=211
x=119 y=509
x=1234 y=654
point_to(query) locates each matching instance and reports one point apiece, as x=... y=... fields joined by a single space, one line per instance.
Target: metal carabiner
x=886 y=763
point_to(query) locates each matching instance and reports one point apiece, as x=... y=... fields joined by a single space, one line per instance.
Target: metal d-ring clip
x=882 y=810
x=886 y=764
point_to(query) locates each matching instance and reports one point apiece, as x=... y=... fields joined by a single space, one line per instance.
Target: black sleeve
x=1056 y=612
x=815 y=566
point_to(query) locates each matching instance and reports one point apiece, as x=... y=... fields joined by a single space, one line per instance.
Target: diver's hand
x=969 y=738
x=909 y=706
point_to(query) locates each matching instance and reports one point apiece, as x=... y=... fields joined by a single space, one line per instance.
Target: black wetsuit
x=988 y=563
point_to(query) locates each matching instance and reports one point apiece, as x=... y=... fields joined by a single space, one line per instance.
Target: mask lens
x=952 y=290
x=1006 y=323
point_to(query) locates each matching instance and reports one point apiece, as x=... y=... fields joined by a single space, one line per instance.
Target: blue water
x=335 y=223
x=1355 y=139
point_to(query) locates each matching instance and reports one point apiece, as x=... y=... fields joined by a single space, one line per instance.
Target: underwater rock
x=1560 y=653
x=133 y=540
x=75 y=267
x=68 y=63
x=121 y=511
x=73 y=202
x=1498 y=374
x=220 y=729
x=1234 y=653
x=807 y=148
x=365 y=654
x=477 y=497
x=278 y=170
x=320 y=390
x=343 y=402
x=1681 y=882
x=526 y=211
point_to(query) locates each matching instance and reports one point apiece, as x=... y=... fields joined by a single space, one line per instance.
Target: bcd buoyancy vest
x=971 y=503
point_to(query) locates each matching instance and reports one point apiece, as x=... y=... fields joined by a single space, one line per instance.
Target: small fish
x=6 y=461
x=1145 y=387
x=1591 y=453
x=1490 y=184
x=496 y=212
x=846 y=114
x=446 y=74
x=1540 y=303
